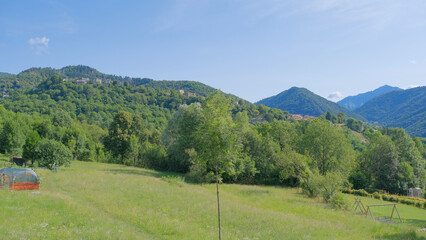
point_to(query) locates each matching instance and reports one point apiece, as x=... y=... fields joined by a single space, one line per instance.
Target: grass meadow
x=106 y=201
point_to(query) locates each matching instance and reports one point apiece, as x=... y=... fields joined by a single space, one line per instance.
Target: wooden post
x=359 y=204
x=355 y=203
x=218 y=203
x=393 y=209
x=387 y=204
x=398 y=213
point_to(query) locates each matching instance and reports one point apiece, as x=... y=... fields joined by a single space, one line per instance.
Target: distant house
x=299 y=117
x=82 y=81
x=188 y=94
x=97 y=80
x=415 y=192
x=307 y=117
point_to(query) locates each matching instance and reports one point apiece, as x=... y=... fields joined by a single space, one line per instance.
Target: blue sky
x=251 y=48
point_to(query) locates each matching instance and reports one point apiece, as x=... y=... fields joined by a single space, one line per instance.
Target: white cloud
x=335 y=96
x=413 y=61
x=411 y=86
x=39 y=45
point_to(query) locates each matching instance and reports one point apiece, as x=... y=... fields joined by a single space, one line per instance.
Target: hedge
x=416 y=202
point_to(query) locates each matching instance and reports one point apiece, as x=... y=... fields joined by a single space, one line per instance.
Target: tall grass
x=105 y=201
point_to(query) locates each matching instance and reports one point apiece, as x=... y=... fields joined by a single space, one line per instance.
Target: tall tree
x=123 y=127
x=408 y=153
x=29 y=147
x=12 y=137
x=216 y=139
x=328 y=147
x=383 y=163
x=180 y=136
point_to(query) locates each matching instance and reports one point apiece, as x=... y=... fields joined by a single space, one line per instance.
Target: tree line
x=212 y=139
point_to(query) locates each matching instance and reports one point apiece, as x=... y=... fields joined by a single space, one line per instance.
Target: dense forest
x=32 y=77
x=404 y=108
x=218 y=135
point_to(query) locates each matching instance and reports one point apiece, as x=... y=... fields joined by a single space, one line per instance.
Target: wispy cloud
x=181 y=13
x=411 y=86
x=335 y=96
x=413 y=61
x=39 y=45
x=368 y=13
x=374 y=13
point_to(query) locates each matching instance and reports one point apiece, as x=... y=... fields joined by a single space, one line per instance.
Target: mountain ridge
x=354 y=102
x=298 y=100
x=32 y=77
x=404 y=108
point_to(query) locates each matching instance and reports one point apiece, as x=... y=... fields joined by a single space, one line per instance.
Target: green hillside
x=405 y=109
x=32 y=77
x=97 y=104
x=3 y=75
x=302 y=101
x=105 y=201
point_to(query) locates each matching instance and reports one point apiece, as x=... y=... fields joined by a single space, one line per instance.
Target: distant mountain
x=304 y=102
x=354 y=102
x=405 y=109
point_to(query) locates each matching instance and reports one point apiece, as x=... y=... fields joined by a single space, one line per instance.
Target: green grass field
x=104 y=201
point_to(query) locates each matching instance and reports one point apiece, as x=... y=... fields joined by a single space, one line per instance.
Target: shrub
x=376 y=195
x=49 y=153
x=393 y=198
x=373 y=190
x=338 y=201
x=347 y=190
x=385 y=197
x=326 y=186
x=330 y=185
x=311 y=185
x=177 y=180
x=360 y=192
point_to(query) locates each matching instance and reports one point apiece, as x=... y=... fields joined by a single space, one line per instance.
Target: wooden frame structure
x=359 y=204
x=380 y=205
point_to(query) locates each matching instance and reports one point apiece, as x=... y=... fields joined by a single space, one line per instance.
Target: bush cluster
x=361 y=192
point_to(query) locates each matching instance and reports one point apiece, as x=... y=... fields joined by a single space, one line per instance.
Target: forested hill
x=354 y=102
x=98 y=103
x=405 y=109
x=30 y=78
x=3 y=74
x=302 y=101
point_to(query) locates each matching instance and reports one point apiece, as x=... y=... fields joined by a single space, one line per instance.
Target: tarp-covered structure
x=19 y=179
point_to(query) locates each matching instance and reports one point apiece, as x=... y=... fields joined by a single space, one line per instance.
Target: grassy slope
x=103 y=201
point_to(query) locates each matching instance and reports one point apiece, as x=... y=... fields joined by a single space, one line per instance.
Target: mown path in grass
x=105 y=201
